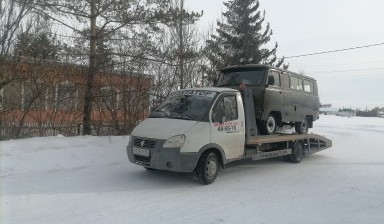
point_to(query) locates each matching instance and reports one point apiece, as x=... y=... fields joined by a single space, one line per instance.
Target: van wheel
x=269 y=126
x=207 y=168
x=297 y=152
x=302 y=127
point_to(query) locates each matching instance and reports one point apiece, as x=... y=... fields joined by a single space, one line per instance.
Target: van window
x=296 y=83
x=308 y=86
x=276 y=76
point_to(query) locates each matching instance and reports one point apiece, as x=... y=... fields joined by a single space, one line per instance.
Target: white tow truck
x=201 y=130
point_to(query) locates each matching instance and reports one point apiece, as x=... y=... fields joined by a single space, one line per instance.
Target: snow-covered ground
x=89 y=180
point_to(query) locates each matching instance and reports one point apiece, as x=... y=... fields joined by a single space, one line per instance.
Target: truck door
x=227 y=124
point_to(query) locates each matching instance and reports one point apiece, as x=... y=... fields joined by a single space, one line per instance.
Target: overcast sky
x=352 y=78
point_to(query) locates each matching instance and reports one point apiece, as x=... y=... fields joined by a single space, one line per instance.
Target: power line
x=333 y=51
x=349 y=70
x=346 y=65
x=352 y=77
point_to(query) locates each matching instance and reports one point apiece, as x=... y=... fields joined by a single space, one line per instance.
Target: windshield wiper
x=188 y=117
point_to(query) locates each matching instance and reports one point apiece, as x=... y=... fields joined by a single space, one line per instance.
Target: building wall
x=52 y=95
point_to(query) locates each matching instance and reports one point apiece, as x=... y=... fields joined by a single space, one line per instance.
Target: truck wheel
x=207 y=168
x=302 y=127
x=297 y=152
x=269 y=126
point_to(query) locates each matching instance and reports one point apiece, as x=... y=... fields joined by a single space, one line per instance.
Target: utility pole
x=181 y=45
x=87 y=116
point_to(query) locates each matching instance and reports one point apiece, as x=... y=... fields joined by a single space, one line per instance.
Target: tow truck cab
x=185 y=125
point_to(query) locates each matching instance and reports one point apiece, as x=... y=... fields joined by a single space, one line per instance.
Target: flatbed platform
x=262 y=139
x=312 y=143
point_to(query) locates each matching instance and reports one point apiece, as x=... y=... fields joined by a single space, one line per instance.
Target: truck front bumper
x=162 y=158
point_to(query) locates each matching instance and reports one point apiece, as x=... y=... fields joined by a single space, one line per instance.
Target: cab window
x=225 y=109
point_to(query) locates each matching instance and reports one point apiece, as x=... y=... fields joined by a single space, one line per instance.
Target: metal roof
x=259 y=66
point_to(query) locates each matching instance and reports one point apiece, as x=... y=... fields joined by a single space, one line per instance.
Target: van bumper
x=165 y=159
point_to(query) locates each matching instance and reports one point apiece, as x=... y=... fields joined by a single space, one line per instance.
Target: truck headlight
x=176 y=141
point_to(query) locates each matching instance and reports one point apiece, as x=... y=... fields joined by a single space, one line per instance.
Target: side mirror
x=223 y=119
x=271 y=80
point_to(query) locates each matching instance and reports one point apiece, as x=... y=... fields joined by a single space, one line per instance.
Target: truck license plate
x=141 y=152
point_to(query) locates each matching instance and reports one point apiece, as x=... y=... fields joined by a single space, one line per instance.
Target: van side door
x=273 y=98
x=227 y=124
x=287 y=98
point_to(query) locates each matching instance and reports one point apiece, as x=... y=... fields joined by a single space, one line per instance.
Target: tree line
x=157 y=38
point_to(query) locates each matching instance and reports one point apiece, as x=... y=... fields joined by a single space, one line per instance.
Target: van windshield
x=233 y=78
x=186 y=105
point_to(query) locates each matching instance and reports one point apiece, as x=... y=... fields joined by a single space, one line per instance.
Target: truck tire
x=207 y=168
x=269 y=126
x=302 y=127
x=297 y=152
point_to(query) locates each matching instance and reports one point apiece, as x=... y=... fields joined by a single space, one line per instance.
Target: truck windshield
x=186 y=105
x=233 y=78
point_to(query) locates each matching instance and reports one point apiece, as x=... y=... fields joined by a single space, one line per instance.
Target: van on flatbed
x=201 y=130
x=281 y=97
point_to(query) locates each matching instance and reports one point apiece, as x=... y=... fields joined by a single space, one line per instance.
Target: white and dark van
x=280 y=97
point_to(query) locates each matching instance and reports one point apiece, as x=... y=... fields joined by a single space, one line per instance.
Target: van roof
x=259 y=66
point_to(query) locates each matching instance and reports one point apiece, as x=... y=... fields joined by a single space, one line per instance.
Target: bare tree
x=25 y=96
x=121 y=37
x=180 y=57
x=12 y=15
x=102 y=18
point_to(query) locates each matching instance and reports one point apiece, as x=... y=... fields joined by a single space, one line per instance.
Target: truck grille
x=144 y=143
